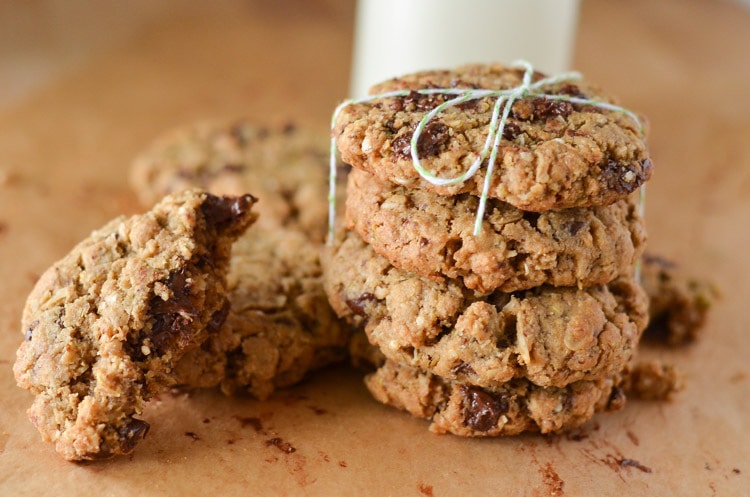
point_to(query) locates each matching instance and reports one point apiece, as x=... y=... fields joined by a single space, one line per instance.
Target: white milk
x=395 y=37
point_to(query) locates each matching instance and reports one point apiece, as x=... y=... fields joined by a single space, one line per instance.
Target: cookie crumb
x=280 y=444
x=425 y=489
x=632 y=463
x=654 y=380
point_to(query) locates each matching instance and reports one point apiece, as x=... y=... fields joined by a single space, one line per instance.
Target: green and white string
x=491 y=147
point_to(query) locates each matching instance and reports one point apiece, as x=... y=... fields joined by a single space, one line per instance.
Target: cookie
x=105 y=325
x=284 y=165
x=432 y=235
x=653 y=380
x=554 y=154
x=280 y=325
x=678 y=303
x=510 y=409
x=547 y=335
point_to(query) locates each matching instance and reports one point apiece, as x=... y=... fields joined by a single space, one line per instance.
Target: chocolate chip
x=173 y=317
x=434 y=136
x=131 y=434
x=482 y=410
x=359 y=304
x=544 y=108
x=416 y=101
x=624 y=178
x=289 y=128
x=432 y=139
x=224 y=212
x=390 y=125
x=511 y=130
x=401 y=146
x=469 y=105
x=540 y=108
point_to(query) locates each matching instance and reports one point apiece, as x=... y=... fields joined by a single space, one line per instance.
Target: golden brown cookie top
x=563 y=142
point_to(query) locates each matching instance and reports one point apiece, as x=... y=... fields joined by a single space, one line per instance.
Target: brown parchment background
x=64 y=152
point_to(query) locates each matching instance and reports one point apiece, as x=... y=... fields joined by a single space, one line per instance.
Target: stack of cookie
x=530 y=323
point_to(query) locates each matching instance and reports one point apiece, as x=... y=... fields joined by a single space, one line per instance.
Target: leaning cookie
x=554 y=154
x=280 y=325
x=510 y=409
x=549 y=336
x=432 y=235
x=105 y=325
x=284 y=165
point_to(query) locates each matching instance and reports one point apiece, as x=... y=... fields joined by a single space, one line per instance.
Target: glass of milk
x=396 y=37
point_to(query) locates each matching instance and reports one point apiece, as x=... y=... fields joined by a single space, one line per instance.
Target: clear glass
x=395 y=37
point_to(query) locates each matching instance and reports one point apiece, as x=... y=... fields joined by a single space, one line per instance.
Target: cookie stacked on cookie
x=501 y=298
